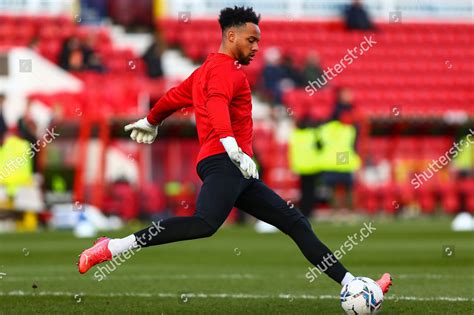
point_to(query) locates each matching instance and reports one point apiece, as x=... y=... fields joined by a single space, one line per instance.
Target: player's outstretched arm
x=145 y=130
x=175 y=99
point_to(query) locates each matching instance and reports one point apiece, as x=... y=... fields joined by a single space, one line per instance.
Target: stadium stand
x=414 y=71
x=422 y=81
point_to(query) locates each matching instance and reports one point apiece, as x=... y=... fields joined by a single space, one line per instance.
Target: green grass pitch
x=238 y=271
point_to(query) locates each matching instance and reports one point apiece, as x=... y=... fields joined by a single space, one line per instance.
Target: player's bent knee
x=206 y=229
x=209 y=231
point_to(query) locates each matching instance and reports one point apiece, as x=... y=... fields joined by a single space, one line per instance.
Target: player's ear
x=231 y=35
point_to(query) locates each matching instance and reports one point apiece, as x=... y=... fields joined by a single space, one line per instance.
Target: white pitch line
x=290 y=297
x=138 y=277
x=234 y=276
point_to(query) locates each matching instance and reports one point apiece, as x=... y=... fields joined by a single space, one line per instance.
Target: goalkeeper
x=221 y=97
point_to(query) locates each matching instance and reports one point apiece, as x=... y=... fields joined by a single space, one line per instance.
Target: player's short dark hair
x=237 y=16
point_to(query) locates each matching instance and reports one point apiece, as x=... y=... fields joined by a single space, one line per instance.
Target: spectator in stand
x=272 y=74
x=94 y=63
x=77 y=56
x=87 y=48
x=312 y=69
x=92 y=59
x=356 y=17
x=152 y=57
x=292 y=75
x=279 y=74
x=3 y=124
x=343 y=102
x=72 y=56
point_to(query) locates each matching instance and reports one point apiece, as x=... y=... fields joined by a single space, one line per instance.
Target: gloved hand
x=142 y=131
x=244 y=162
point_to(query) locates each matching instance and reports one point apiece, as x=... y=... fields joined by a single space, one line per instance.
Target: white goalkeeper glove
x=244 y=163
x=142 y=131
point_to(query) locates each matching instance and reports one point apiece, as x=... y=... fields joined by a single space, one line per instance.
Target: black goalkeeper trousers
x=223 y=188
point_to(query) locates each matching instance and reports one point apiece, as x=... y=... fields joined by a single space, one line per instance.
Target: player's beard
x=243 y=59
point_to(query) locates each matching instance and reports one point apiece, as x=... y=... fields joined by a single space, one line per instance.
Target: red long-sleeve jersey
x=220 y=94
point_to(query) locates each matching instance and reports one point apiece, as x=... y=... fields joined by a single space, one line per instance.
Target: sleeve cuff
x=152 y=121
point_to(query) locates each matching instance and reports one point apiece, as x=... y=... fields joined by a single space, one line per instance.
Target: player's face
x=246 y=43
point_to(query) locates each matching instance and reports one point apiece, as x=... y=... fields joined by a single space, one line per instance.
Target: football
x=361 y=296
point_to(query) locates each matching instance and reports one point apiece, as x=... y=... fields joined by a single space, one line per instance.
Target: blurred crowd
x=280 y=74
x=81 y=55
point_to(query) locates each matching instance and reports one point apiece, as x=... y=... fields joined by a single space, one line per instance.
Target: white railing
x=38 y=7
x=380 y=10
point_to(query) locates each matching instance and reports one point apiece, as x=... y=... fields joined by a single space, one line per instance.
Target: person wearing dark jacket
x=357 y=18
x=312 y=69
x=152 y=57
x=3 y=124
